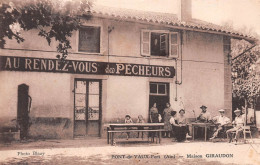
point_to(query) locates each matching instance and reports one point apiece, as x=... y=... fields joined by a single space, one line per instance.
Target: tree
x=245 y=70
x=55 y=20
x=245 y=65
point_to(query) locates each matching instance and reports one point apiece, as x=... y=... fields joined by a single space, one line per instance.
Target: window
x=89 y=39
x=158 y=89
x=158 y=43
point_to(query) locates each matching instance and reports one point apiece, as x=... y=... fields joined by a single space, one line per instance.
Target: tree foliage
x=245 y=70
x=61 y=18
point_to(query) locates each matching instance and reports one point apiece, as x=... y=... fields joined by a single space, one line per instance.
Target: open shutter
x=145 y=43
x=163 y=42
x=174 y=45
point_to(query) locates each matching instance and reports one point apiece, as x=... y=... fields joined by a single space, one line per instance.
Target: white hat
x=237 y=110
x=221 y=110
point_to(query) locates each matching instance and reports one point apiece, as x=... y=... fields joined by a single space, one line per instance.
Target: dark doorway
x=23 y=109
x=159 y=94
x=87 y=108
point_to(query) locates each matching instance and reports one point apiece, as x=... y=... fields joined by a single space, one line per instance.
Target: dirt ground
x=133 y=151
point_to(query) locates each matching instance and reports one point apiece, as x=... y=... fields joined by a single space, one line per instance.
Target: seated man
x=220 y=122
x=204 y=115
x=238 y=128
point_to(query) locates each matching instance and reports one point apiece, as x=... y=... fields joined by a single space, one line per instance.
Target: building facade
x=119 y=64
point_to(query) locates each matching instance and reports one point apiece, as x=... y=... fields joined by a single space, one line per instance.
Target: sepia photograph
x=130 y=82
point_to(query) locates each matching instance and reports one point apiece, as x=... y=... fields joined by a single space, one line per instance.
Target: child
x=128 y=120
x=140 y=120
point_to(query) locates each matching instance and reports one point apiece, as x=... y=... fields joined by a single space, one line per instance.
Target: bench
x=110 y=133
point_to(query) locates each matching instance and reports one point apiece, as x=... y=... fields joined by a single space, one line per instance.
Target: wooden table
x=203 y=125
x=135 y=127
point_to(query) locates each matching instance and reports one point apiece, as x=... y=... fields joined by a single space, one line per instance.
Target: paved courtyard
x=96 y=151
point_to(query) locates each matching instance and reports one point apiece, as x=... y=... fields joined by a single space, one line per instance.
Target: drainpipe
x=109 y=30
x=177 y=82
x=176 y=85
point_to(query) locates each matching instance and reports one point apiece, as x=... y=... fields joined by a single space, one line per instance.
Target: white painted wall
x=127 y=95
x=203 y=74
x=50 y=93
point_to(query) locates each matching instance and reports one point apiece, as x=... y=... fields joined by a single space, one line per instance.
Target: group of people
x=176 y=125
x=221 y=121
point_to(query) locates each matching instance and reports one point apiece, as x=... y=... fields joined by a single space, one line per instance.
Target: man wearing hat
x=204 y=115
x=220 y=121
x=238 y=128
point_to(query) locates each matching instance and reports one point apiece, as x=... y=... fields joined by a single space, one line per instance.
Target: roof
x=166 y=19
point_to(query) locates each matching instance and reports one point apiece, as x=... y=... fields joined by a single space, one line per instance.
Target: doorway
x=87 y=107
x=23 y=110
x=159 y=94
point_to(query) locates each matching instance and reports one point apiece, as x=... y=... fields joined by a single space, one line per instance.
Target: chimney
x=184 y=10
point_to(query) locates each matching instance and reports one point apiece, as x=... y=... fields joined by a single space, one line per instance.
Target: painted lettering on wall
x=84 y=67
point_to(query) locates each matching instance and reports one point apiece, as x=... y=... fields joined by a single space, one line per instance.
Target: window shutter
x=163 y=42
x=174 y=45
x=145 y=42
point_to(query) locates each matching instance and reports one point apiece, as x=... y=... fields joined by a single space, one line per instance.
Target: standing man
x=238 y=128
x=204 y=115
x=220 y=122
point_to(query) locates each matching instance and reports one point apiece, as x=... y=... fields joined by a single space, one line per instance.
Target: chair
x=246 y=130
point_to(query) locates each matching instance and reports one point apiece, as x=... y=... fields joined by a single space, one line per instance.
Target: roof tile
x=163 y=18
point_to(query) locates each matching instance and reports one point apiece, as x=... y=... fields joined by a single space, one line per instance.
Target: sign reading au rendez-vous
x=84 y=67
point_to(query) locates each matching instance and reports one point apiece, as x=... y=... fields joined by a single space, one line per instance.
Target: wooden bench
x=110 y=133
